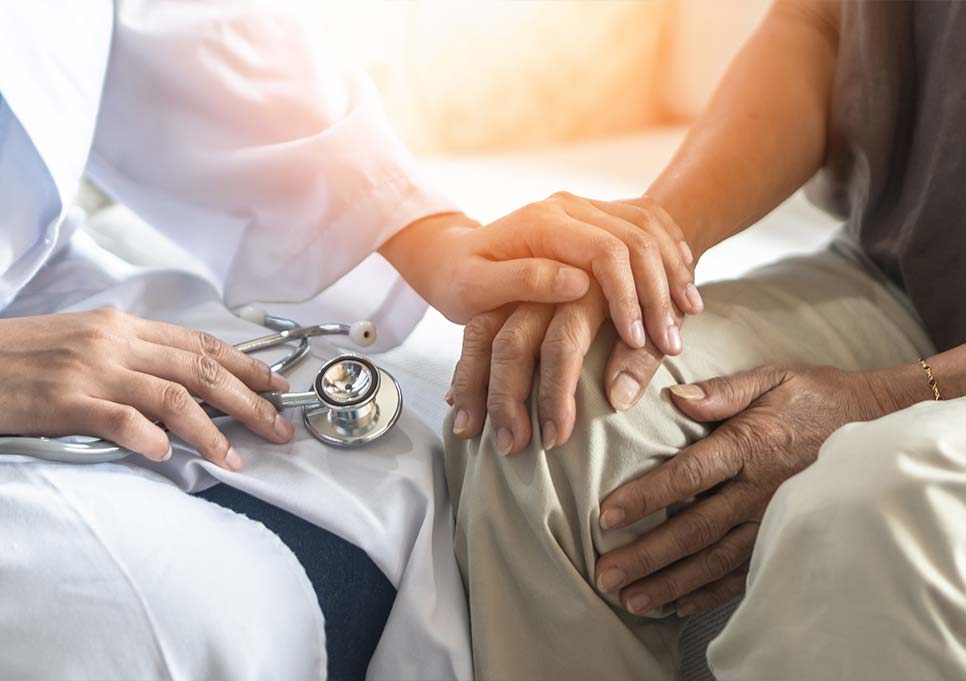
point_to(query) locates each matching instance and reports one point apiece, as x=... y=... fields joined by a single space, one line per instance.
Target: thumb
x=721 y=398
x=534 y=280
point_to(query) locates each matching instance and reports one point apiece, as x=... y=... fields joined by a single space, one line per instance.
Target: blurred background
x=459 y=77
x=505 y=103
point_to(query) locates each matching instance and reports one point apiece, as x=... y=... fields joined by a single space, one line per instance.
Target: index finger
x=561 y=237
x=252 y=372
x=695 y=469
x=688 y=532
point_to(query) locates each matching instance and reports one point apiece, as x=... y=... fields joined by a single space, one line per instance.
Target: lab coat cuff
x=398 y=192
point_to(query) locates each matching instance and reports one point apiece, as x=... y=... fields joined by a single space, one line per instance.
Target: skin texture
x=773 y=420
x=111 y=375
x=769 y=112
x=632 y=249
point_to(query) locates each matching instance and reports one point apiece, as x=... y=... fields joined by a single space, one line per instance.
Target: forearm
x=903 y=386
x=763 y=133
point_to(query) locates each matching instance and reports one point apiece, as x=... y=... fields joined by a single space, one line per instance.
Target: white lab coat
x=228 y=127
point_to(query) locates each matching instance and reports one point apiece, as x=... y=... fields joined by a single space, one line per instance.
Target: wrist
x=896 y=388
x=417 y=239
x=689 y=225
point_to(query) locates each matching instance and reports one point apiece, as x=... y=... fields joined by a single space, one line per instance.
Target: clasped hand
x=501 y=346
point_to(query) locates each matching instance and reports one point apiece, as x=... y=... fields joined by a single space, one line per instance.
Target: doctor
x=230 y=129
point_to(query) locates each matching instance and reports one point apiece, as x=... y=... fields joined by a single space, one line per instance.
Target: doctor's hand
x=110 y=375
x=542 y=253
x=774 y=420
x=500 y=349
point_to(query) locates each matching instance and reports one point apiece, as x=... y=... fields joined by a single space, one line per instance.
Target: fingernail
x=688 y=392
x=570 y=283
x=460 y=422
x=612 y=517
x=674 y=339
x=549 y=435
x=625 y=392
x=504 y=441
x=611 y=579
x=232 y=460
x=167 y=454
x=686 y=609
x=283 y=428
x=448 y=397
x=637 y=333
x=639 y=603
x=694 y=297
x=279 y=383
x=686 y=253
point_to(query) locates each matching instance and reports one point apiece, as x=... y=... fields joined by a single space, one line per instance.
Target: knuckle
x=260 y=371
x=642 y=242
x=644 y=561
x=210 y=345
x=698 y=531
x=217 y=444
x=537 y=211
x=175 y=399
x=209 y=372
x=563 y=196
x=99 y=336
x=263 y=410
x=691 y=472
x=612 y=248
x=669 y=589
x=717 y=561
x=635 y=501
x=122 y=420
x=510 y=343
x=480 y=331
x=108 y=316
x=559 y=344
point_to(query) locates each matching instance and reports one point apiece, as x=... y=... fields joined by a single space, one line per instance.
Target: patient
x=594 y=516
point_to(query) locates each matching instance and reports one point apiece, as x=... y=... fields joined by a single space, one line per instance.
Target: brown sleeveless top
x=896 y=164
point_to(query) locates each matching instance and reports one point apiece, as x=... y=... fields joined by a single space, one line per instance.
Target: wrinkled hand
x=542 y=252
x=109 y=374
x=775 y=419
x=494 y=374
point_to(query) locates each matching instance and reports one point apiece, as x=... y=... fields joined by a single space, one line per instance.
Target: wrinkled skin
x=773 y=420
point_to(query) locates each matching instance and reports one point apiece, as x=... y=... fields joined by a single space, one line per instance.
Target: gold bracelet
x=932 y=379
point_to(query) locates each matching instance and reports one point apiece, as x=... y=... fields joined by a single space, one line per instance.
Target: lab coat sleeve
x=230 y=127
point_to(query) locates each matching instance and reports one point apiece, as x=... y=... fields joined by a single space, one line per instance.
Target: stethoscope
x=352 y=401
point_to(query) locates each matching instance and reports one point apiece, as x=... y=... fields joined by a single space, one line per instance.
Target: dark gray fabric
x=695 y=637
x=896 y=166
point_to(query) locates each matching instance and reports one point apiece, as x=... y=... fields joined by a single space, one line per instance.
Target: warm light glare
x=479 y=76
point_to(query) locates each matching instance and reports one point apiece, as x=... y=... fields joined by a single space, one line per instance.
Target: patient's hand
x=495 y=371
x=773 y=421
x=635 y=251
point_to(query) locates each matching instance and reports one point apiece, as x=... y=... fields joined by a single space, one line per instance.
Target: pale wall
x=462 y=77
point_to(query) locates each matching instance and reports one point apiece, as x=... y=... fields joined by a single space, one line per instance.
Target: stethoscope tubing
x=104 y=451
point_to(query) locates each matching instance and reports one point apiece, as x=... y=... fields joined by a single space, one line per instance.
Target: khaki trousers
x=841 y=586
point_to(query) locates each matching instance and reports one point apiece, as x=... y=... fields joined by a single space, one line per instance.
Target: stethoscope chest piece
x=357 y=402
